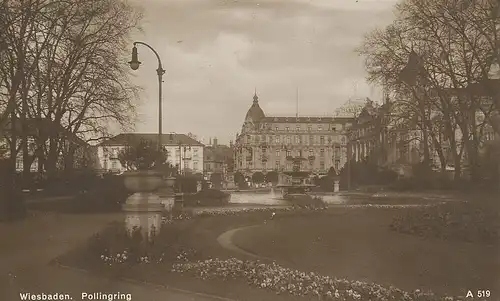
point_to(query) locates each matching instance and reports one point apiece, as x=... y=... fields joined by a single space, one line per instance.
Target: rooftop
x=167 y=139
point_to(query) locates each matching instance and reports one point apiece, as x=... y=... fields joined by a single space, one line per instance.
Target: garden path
x=28 y=246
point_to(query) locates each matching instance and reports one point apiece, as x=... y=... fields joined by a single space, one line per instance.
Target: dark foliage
x=107 y=195
x=307 y=202
x=272 y=177
x=12 y=206
x=115 y=245
x=258 y=177
x=473 y=222
x=186 y=184
x=207 y=197
x=216 y=179
x=143 y=156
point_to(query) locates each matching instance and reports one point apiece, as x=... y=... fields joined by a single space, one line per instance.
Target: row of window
x=114 y=164
x=288 y=166
x=300 y=153
x=115 y=150
x=299 y=139
x=310 y=128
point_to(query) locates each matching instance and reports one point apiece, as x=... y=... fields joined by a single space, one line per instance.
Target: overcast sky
x=217 y=52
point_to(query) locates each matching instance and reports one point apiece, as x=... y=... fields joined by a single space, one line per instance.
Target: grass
x=199 y=234
x=351 y=243
x=357 y=244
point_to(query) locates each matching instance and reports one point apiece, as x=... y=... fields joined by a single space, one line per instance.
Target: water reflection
x=274 y=197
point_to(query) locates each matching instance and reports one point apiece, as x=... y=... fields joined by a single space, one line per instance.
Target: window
x=249 y=139
x=277 y=139
x=277 y=164
x=195 y=153
x=311 y=152
x=195 y=165
x=311 y=139
x=309 y=127
x=288 y=166
x=337 y=165
x=287 y=128
x=322 y=152
x=322 y=165
x=337 y=151
x=299 y=153
x=320 y=127
x=277 y=154
x=297 y=139
x=322 y=140
x=288 y=153
x=288 y=139
x=186 y=164
x=114 y=164
x=297 y=128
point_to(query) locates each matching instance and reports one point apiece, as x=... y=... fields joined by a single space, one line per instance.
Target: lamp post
x=134 y=64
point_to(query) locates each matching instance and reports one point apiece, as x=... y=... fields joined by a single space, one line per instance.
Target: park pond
x=273 y=197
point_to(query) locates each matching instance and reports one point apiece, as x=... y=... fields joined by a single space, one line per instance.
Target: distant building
x=73 y=151
x=268 y=143
x=218 y=159
x=183 y=151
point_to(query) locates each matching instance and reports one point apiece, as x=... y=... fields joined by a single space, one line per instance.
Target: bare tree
x=77 y=82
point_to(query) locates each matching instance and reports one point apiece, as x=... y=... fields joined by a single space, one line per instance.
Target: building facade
x=313 y=144
x=73 y=152
x=183 y=151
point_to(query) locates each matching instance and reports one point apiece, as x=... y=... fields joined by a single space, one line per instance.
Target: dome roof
x=255 y=112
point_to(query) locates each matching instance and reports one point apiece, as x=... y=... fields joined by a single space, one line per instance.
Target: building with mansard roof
x=310 y=143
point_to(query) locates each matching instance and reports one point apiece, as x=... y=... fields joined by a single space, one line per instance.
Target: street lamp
x=134 y=65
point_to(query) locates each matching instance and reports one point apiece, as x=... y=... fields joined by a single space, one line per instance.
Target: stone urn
x=144 y=207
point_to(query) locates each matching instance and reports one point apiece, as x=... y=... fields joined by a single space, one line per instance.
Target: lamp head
x=134 y=63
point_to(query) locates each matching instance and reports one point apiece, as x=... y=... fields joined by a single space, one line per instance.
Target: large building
x=183 y=151
x=73 y=152
x=268 y=143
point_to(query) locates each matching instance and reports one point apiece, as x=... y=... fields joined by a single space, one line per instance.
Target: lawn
x=358 y=244
x=346 y=243
x=199 y=234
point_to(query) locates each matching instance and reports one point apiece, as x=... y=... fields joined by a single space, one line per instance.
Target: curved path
x=226 y=241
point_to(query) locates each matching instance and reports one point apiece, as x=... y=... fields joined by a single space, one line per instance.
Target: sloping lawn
x=358 y=244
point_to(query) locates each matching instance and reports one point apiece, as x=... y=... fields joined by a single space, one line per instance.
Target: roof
x=307 y=119
x=167 y=139
x=255 y=112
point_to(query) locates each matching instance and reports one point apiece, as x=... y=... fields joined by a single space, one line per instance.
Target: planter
x=170 y=182
x=143 y=181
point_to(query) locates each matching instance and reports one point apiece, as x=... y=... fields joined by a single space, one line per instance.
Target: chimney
x=210 y=141
x=215 y=142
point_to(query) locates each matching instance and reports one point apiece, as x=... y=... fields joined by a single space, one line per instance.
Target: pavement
x=28 y=246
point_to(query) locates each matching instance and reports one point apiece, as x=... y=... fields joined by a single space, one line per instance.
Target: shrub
x=207 y=197
x=307 y=202
x=108 y=194
x=186 y=184
x=472 y=222
x=12 y=204
x=115 y=245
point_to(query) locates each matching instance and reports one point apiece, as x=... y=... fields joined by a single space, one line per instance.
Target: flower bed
x=115 y=246
x=470 y=222
x=286 y=281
